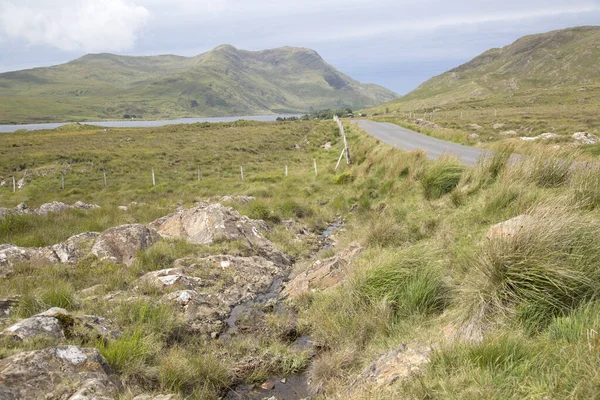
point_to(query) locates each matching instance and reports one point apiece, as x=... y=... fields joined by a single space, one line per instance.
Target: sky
x=394 y=43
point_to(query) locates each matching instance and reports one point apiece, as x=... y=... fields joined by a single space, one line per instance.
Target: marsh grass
x=442 y=177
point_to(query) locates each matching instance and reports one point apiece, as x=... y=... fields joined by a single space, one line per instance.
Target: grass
x=513 y=317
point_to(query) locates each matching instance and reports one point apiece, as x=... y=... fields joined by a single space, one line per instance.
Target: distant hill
x=552 y=68
x=223 y=81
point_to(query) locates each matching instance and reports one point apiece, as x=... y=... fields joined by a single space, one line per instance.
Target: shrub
x=344 y=178
x=59 y=294
x=585 y=186
x=129 y=354
x=442 y=177
x=583 y=323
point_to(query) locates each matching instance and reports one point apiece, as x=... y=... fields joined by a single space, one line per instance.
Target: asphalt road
x=409 y=140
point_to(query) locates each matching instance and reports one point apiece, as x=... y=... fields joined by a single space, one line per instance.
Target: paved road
x=409 y=140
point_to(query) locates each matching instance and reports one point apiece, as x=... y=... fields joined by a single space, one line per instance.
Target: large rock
x=401 y=364
x=509 y=228
x=59 y=324
x=65 y=372
x=11 y=255
x=121 y=244
x=205 y=290
x=322 y=274
x=211 y=223
x=47 y=208
x=54 y=207
x=74 y=248
x=585 y=138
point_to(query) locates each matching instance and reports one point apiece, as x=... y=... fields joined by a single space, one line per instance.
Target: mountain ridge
x=223 y=81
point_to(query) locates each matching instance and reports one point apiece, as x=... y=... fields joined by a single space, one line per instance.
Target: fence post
x=62 y=185
x=14 y=185
x=199 y=174
x=340 y=159
x=105 y=182
x=242 y=171
x=153 y=178
x=315 y=164
x=286 y=170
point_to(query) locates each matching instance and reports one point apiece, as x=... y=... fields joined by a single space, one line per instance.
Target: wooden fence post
x=286 y=170
x=340 y=159
x=105 y=182
x=199 y=174
x=62 y=182
x=315 y=164
x=153 y=178
x=14 y=185
x=242 y=171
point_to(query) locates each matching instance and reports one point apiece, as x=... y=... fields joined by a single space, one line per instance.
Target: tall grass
x=442 y=177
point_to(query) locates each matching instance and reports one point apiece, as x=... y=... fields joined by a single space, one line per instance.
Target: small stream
x=293 y=387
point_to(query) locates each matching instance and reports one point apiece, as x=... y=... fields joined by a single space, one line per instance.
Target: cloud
x=74 y=25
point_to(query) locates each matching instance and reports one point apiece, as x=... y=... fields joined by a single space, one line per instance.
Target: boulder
x=498 y=126
x=80 y=205
x=543 y=136
x=585 y=138
x=327 y=146
x=51 y=323
x=211 y=223
x=54 y=207
x=428 y=124
x=509 y=228
x=121 y=244
x=58 y=323
x=322 y=274
x=74 y=248
x=64 y=372
x=11 y=255
x=509 y=133
x=400 y=364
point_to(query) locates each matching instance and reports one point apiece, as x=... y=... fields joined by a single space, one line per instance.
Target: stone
x=123 y=208
x=21 y=183
x=64 y=372
x=509 y=228
x=509 y=133
x=208 y=224
x=585 y=138
x=473 y=136
x=80 y=205
x=475 y=126
x=322 y=274
x=237 y=199
x=402 y=363
x=121 y=244
x=7 y=305
x=74 y=248
x=327 y=146
x=428 y=124
x=498 y=126
x=268 y=385
x=543 y=136
x=11 y=255
x=54 y=207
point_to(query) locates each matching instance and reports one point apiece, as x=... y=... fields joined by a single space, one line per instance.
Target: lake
x=145 y=124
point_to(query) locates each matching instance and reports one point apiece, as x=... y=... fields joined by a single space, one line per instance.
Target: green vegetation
x=514 y=316
x=224 y=81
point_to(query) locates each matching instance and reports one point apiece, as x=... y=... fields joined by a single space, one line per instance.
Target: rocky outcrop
x=211 y=223
x=64 y=372
x=402 y=363
x=237 y=199
x=509 y=228
x=427 y=124
x=69 y=252
x=585 y=138
x=121 y=244
x=206 y=289
x=47 y=208
x=58 y=323
x=543 y=136
x=322 y=274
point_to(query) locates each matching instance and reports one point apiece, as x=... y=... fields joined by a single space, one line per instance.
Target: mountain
x=546 y=68
x=223 y=81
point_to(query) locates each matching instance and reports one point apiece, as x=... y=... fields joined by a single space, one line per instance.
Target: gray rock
x=65 y=372
x=54 y=207
x=509 y=228
x=74 y=248
x=210 y=223
x=80 y=205
x=323 y=274
x=50 y=324
x=121 y=244
x=401 y=364
x=585 y=138
x=237 y=199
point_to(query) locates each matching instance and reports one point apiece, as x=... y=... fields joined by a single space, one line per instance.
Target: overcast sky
x=394 y=43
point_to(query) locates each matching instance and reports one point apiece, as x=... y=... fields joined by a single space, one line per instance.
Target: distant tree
x=126 y=116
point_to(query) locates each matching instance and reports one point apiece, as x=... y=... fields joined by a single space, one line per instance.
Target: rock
x=509 y=228
x=475 y=126
x=65 y=372
x=54 y=207
x=327 y=146
x=7 y=305
x=121 y=244
x=473 y=136
x=268 y=385
x=58 y=323
x=509 y=133
x=322 y=274
x=428 y=124
x=74 y=248
x=50 y=324
x=3 y=183
x=155 y=397
x=237 y=199
x=498 y=126
x=585 y=138
x=400 y=364
x=123 y=208
x=208 y=288
x=210 y=223
x=543 y=136
x=80 y=205
x=21 y=183
x=11 y=255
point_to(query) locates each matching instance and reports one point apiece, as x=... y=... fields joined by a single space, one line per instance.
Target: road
x=409 y=140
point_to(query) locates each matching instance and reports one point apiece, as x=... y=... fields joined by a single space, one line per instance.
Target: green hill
x=559 y=67
x=224 y=81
